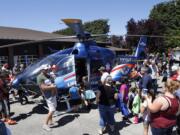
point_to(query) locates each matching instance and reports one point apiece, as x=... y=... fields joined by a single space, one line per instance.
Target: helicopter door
x=66 y=75
x=81 y=69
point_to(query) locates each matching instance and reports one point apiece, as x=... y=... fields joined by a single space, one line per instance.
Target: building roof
x=23 y=34
x=10 y=33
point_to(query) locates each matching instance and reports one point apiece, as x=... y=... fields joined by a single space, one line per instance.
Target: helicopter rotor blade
x=149 y=36
x=44 y=40
x=99 y=35
x=74 y=37
x=37 y=41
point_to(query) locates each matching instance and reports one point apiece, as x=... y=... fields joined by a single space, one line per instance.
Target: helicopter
x=83 y=59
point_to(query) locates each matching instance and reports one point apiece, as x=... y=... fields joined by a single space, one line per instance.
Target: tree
x=99 y=26
x=132 y=29
x=67 y=31
x=168 y=14
x=163 y=21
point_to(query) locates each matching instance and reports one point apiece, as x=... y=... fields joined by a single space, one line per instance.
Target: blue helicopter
x=84 y=59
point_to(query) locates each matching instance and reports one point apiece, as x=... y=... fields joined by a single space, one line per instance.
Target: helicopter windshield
x=35 y=68
x=65 y=66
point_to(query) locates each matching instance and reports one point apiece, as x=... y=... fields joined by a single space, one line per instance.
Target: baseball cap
x=45 y=67
x=102 y=68
x=53 y=67
x=174 y=68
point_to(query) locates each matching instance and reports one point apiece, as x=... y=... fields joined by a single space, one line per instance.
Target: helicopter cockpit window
x=65 y=66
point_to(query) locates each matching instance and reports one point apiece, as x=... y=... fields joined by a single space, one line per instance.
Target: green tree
x=67 y=32
x=99 y=26
x=163 y=21
x=168 y=14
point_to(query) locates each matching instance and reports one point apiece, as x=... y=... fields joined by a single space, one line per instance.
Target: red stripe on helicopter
x=122 y=66
x=72 y=75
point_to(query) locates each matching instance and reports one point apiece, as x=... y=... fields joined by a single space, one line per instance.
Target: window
x=65 y=66
x=25 y=59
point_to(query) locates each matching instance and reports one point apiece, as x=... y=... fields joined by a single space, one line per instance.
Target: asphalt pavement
x=30 y=118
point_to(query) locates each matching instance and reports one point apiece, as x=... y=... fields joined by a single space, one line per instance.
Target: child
x=75 y=97
x=145 y=112
x=131 y=96
x=123 y=98
x=82 y=93
x=136 y=106
x=48 y=83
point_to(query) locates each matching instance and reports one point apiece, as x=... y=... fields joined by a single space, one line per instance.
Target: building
x=28 y=53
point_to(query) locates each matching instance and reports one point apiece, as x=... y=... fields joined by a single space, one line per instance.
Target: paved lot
x=30 y=119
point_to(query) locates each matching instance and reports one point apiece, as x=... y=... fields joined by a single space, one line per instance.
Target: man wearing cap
x=104 y=74
x=49 y=92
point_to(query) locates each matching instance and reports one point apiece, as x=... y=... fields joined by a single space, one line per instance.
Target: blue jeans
x=122 y=106
x=155 y=85
x=106 y=115
x=2 y=128
x=162 y=131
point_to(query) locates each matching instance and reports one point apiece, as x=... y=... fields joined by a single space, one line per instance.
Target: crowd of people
x=6 y=78
x=137 y=97
x=158 y=109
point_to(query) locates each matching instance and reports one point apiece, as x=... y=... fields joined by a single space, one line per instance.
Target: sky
x=46 y=15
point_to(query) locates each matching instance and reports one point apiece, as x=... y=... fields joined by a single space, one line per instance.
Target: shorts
x=52 y=103
x=146 y=123
x=75 y=101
